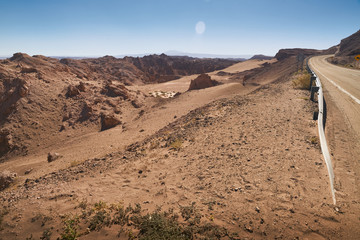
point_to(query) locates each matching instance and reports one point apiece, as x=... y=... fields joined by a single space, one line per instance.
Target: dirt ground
x=247 y=157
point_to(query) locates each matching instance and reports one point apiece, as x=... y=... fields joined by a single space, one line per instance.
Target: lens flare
x=200 y=27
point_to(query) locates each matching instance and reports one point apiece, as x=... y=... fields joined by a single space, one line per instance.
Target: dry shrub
x=176 y=144
x=301 y=80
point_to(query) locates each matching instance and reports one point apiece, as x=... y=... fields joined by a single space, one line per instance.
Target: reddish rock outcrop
x=72 y=91
x=112 y=90
x=52 y=156
x=109 y=121
x=202 y=81
x=6 y=141
x=81 y=87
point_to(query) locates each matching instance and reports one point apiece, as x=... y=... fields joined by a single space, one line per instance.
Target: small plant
x=154 y=144
x=133 y=225
x=83 y=204
x=74 y=163
x=176 y=144
x=314 y=140
x=188 y=211
x=137 y=209
x=46 y=235
x=160 y=226
x=121 y=216
x=70 y=228
x=100 y=219
x=100 y=205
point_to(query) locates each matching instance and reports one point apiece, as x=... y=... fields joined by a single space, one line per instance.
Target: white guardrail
x=323 y=143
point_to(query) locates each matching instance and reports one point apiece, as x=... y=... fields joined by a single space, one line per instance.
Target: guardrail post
x=315 y=116
x=314 y=89
x=312 y=79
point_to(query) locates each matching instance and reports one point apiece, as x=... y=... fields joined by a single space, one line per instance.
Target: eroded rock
x=201 y=82
x=52 y=156
x=6 y=178
x=6 y=142
x=72 y=91
x=112 y=90
x=109 y=121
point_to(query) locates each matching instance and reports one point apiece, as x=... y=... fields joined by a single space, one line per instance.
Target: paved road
x=343 y=86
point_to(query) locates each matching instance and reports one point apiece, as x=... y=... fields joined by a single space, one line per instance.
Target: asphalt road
x=343 y=86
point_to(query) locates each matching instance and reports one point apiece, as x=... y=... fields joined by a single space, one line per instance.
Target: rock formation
x=108 y=121
x=6 y=178
x=350 y=46
x=202 y=81
x=52 y=156
x=346 y=52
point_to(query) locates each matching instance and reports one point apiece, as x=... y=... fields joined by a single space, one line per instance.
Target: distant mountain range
x=206 y=55
x=169 y=53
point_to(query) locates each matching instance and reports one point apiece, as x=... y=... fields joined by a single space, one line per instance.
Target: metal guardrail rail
x=323 y=143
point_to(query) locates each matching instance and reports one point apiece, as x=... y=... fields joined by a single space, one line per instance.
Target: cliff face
x=347 y=50
x=350 y=46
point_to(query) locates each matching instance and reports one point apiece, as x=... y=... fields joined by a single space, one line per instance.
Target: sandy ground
x=182 y=84
x=80 y=146
x=248 y=151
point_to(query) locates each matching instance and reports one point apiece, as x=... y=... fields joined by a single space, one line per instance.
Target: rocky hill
x=350 y=46
x=347 y=50
x=43 y=99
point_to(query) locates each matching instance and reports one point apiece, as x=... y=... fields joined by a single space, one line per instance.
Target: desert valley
x=173 y=147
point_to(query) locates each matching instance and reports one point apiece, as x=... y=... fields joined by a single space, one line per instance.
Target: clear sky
x=116 y=27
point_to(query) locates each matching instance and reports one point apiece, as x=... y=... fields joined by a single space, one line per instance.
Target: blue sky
x=116 y=27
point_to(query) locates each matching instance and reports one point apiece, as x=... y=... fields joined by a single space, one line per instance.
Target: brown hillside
x=349 y=46
x=43 y=99
x=347 y=50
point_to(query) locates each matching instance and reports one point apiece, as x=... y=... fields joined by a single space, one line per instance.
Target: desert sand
x=242 y=155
